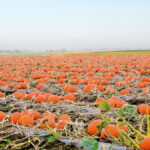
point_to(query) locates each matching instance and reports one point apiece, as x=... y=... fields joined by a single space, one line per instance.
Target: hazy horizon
x=95 y=25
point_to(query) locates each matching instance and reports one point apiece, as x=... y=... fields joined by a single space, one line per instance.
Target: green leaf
x=38 y=64
x=8 y=107
x=8 y=141
x=121 y=111
x=61 y=113
x=27 y=76
x=59 y=135
x=89 y=143
x=104 y=106
x=59 y=67
x=130 y=109
x=2 y=146
x=122 y=123
x=71 y=82
x=81 y=108
x=110 y=95
x=124 y=138
x=57 y=104
x=103 y=124
x=139 y=140
x=51 y=138
x=106 y=119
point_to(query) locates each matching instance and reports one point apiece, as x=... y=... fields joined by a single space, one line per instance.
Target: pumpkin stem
x=129 y=125
x=140 y=127
x=133 y=142
x=147 y=115
x=101 y=115
x=52 y=131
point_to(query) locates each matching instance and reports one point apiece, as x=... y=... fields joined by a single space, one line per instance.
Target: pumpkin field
x=89 y=101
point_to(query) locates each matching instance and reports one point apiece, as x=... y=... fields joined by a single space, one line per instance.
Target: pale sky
x=74 y=24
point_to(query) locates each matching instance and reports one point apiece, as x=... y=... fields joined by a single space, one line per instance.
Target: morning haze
x=74 y=25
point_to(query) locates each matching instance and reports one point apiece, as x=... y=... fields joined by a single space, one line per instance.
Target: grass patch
x=118 y=53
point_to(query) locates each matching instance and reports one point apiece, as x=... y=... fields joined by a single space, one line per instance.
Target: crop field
x=71 y=101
